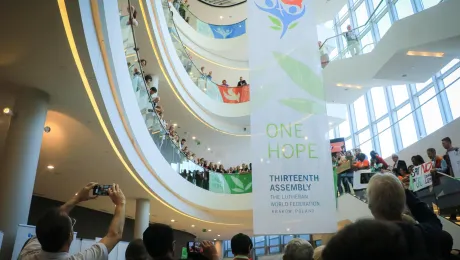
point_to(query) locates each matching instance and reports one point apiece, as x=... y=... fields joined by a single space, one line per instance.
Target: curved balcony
x=176 y=154
x=217 y=91
x=214 y=31
x=151 y=158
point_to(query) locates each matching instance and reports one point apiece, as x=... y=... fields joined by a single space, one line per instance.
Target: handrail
x=372 y=16
x=204 y=2
x=182 y=43
x=194 y=15
x=154 y=112
x=175 y=33
x=365 y=24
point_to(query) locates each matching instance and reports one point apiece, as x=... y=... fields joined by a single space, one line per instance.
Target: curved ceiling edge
x=90 y=35
x=226 y=3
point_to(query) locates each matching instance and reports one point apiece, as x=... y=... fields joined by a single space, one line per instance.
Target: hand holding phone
x=101 y=190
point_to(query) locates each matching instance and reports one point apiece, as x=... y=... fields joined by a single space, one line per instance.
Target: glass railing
x=202 y=79
x=363 y=34
x=167 y=141
x=210 y=30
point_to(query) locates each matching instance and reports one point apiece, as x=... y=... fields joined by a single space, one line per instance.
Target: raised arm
x=118 y=222
x=83 y=195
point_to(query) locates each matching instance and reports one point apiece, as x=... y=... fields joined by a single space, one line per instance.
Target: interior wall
x=91 y=223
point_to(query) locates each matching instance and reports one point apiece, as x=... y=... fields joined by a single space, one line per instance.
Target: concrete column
x=18 y=166
x=219 y=248
x=141 y=223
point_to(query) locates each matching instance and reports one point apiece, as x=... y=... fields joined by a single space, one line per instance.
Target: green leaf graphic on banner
x=304 y=106
x=293 y=25
x=238 y=190
x=275 y=28
x=301 y=75
x=275 y=21
x=248 y=186
x=237 y=182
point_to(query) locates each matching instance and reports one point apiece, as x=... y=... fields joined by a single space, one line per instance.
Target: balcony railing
x=203 y=80
x=215 y=31
x=180 y=160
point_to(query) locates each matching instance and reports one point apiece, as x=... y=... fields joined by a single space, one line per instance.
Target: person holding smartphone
x=55 y=229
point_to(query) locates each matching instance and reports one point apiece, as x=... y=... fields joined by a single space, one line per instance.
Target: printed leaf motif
x=293 y=25
x=275 y=21
x=237 y=182
x=275 y=28
x=248 y=186
x=301 y=75
x=304 y=106
x=237 y=190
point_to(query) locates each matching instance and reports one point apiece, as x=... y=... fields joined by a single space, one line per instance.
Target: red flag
x=235 y=94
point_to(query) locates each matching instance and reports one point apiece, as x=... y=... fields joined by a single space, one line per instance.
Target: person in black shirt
x=242 y=82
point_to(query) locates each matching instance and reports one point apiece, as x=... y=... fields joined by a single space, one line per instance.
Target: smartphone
x=101 y=190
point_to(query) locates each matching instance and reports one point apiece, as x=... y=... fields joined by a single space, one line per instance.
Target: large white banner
x=293 y=184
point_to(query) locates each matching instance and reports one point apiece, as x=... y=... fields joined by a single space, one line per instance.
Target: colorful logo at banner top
x=283 y=13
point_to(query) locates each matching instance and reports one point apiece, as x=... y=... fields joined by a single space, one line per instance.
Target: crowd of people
x=403 y=228
x=163 y=132
x=348 y=162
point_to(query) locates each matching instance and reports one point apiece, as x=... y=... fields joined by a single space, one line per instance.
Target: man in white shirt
x=352 y=41
x=55 y=230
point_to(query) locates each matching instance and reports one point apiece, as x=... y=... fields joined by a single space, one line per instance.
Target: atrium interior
x=177 y=101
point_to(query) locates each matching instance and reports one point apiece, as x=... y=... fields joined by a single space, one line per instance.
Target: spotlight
x=8 y=111
x=50 y=167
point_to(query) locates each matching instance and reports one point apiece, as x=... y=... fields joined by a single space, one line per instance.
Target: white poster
x=24 y=233
x=454 y=157
x=293 y=186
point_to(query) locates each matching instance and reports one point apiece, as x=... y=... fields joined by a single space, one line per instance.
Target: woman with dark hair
x=417 y=160
x=377 y=162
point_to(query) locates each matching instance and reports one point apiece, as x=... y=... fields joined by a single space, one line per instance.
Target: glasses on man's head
x=74 y=221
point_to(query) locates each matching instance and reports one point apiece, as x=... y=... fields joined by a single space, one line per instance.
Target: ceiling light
x=193 y=137
x=306 y=137
x=7 y=111
x=221 y=17
x=261 y=159
x=209 y=149
x=47 y=129
x=218 y=162
x=218 y=235
x=174 y=124
x=76 y=194
x=51 y=167
x=348 y=86
x=215 y=239
x=172 y=220
x=330 y=123
x=192 y=225
x=209 y=230
x=425 y=54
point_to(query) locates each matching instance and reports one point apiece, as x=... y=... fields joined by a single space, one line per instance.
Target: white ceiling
x=325 y=10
